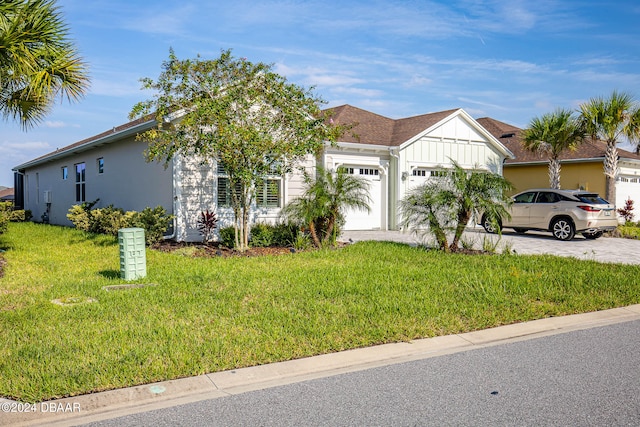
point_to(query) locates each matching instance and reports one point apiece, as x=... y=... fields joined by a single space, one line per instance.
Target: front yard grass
x=205 y=315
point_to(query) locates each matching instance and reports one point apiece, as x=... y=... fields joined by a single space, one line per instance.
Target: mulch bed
x=215 y=250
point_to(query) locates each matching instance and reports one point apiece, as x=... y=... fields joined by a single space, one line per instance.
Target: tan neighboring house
x=6 y=194
x=393 y=155
x=581 y=168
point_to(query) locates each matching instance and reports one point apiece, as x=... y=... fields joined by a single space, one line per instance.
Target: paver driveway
x=604 y=249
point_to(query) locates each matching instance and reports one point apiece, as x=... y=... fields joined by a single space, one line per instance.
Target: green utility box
x=133 y=258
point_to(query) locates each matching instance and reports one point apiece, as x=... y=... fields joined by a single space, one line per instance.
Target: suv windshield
x=593 y=199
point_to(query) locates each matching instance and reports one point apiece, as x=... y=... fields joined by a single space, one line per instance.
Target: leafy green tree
x=38 y=62
x=610 y=119
x=446 y=204
x=324 y=203
x=552 y=134
x=236 y=112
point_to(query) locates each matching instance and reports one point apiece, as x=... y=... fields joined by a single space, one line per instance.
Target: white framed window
x=65 y=173
x=268 y=194
x=80 y=182
x=369 y=171
x=100 y=164
x=419 y=172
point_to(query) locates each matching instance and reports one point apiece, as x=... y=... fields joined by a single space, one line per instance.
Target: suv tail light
x=589 y=208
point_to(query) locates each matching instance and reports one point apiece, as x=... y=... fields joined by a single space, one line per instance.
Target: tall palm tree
x=323 y=205
x=552 y=134
x=449 y=202
x=38 y=63
x=610 y=119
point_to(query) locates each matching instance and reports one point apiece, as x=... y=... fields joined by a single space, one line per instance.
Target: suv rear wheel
x=563 y=229
x=489 y=226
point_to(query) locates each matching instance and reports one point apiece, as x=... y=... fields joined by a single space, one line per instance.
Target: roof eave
x=107 y=139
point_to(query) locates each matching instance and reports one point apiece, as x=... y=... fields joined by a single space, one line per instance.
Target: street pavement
x=604 y=249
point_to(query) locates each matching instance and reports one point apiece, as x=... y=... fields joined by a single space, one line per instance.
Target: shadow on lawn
x=110 y=274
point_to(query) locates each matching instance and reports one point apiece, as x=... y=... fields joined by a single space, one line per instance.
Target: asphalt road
x=588 y=377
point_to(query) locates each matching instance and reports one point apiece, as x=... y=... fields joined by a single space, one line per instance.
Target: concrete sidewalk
x=110 y=404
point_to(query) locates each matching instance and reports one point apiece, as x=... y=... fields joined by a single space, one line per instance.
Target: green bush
x=20 y=215
x=261 y=235
x=109 y=220
x=155 y=222
x=5 y=213
x=286 y=234
x=227 y=236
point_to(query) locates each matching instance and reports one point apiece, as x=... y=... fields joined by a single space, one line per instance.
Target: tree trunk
x=463 y=219
x=314 y=234
x=611 y=171
x=554 y=173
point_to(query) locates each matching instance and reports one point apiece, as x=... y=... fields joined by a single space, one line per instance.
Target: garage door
x=627 y=187
x=363 y=220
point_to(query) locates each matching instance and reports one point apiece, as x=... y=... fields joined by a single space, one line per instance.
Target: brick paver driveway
x=604 y=249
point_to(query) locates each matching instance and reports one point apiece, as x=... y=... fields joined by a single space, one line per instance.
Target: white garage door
x=627 y=187
x=363 y=220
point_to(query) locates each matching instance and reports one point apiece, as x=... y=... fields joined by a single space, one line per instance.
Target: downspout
x=393 y=190
x=174 y=198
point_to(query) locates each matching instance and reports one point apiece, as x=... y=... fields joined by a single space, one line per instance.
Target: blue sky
x=507 y=59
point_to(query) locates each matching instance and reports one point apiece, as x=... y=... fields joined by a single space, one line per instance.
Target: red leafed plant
x=626 y=211
x=207 y=223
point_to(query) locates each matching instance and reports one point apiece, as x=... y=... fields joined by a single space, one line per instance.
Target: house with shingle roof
x=581 y=168
x=394 y=155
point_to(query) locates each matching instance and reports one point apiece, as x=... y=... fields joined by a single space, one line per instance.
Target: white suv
x=562 y=212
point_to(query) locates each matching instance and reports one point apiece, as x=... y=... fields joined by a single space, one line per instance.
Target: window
x=439 y=174
x=65 y=173
x=548 y=197
x=100 y=164
x=80 y=182
x=268 y=194
x=349 y=171
x=419 y=172
x=373 y=172
x=224 y=198
x=525 y=197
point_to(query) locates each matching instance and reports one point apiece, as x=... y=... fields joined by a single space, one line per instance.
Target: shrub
x=109 y=220
x=5 y=213
x=227 y=236
x=627 y=211
x=285 y=234
x=154 y=221
x=20 y=215
x=261 y=235
x=207 y=223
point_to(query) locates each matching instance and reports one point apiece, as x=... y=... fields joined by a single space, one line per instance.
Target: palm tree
x=609 y=119
x=323 y=205
x=552 y=134
x=449 y=202
x=38 y=63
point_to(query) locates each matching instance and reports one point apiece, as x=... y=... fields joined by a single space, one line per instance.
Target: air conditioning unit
x=47 y=196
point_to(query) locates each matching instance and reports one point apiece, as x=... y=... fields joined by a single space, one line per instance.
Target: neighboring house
x=393 y=155
x=6 y=194
x=581 y=168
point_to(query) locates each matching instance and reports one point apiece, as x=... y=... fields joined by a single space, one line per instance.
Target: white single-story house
x=393 y=154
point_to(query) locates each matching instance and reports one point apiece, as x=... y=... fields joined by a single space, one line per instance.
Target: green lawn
x=206 y=315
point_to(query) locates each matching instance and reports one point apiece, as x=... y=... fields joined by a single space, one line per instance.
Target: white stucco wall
x=128 y=181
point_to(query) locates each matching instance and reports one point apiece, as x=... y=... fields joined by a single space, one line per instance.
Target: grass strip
x=206 y=315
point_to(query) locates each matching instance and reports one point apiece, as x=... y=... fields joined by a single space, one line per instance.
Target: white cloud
x=54 y=124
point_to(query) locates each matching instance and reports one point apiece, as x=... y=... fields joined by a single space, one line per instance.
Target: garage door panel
x=363 y=220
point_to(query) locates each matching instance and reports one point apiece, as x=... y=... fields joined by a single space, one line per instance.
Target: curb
x=114 y=403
